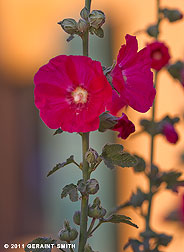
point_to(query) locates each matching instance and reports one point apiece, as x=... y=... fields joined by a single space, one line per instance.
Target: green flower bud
x=96 y=18
x=69 y=25
x=172 y=14
x=153 y=31
x=92 y=186
x=97 y=212
x=84 y=13
x=82 y=25
x=91 y=156
x=67 y=233
x=76 y=217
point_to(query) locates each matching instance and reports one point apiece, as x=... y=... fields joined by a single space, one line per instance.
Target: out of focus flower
x=170 y=133
x=159 y=54
x=71 y=92
x=124 y=126
x=132 y=78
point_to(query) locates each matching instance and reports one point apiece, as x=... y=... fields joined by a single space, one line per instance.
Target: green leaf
x=141 y=164
x=58 y=131
x=138 y=198
x=43 y=243
x=61 y=165
x=176 y=69
x=99 y=32
x=134 y=244
x=117 y=218
x=107 y=121
x=113 y=155
x=70 y=190
x=88 y=248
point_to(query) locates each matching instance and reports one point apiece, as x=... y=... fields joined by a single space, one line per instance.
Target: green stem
x=85 y=169
x=95 y=228
x=153 y=136
x=84 y=202
x=91 y=226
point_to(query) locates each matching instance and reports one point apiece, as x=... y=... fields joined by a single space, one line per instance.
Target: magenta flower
x=132 y=78
x=71 y=92
x=159 y=54
x=124 y=126
x=170 y=133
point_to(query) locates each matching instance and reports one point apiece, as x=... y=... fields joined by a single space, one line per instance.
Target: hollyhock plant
x=124 y=126
x=132 y=78
x=159 y=53
x=71 y=92
x=170 y=133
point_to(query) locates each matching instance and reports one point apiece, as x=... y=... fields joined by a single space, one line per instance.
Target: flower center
x=80 y=95
x=157 y=55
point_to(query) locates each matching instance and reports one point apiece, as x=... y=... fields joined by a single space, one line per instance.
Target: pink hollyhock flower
x=159 y=54
x=71 y=92
x=132 y=78
x=170 y=133
x=124 y=126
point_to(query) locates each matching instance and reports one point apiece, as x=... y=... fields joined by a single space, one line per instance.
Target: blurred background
x=30 y=202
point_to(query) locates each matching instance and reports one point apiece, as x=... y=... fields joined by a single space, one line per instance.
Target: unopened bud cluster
x=92 y=21
x=91 y=186
x=67 y=233
x=96 y=210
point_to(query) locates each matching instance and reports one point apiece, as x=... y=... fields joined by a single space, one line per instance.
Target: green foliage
x=107 y=121
x=134 y=244
x=175 y=70
x=172 y=15
x=141 y=164
x=88 y=248
x=113 y=155
x=138 y=198
x=61 y=165
x=70 y=190
x=117 y=218
x=153 y=31
x=58 y=131
x=42 y=242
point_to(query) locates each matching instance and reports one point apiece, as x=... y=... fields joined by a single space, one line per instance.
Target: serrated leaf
x=141 y=164
x=113 y=155
x=70 y=190
x=117 y=218
x=42 y=241
x=61 y=165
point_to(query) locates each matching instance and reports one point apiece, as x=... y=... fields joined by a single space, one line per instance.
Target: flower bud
x=84 y=13
x=76 y=217
x=67 y=233
x=96 y=18
x=82 y=25
x=92 y=186
x=172 y=14
x=97 y=212
x=91 y=156
x=69 y=25
x=153 y=31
